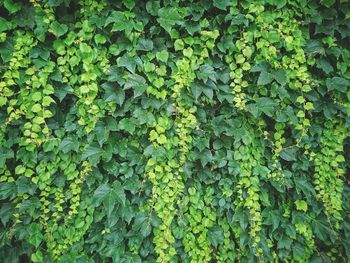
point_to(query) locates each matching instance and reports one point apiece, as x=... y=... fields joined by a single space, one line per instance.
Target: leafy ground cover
x=174 y=131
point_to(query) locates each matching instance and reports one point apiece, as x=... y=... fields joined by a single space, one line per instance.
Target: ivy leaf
x=37 y=256
x=120 y=96
x=119 y=192
x=132 y=184
x=289 y=154
x=301 y=205
x=162 y=56
x=206 y=157
x=4 y=155
x=263 y=105
x=206 y=71
x=35 y=237
x=127 y=62
x=109 y=202
x=284 y=242
x=129 y=4
x=216 y=236
x=314 y=46
x=92 y=151
x=11 y=6
x=196 y=90
x=137 y=83
x=222 y=4
x=58 y=29
x=324 y=65
x=127 y=125
x=201 y=143
x=280 y=76
x=4 y=24
x=208 y=91
x=321 y=230
x=298 y=251
x=169 y=17
x=144 y=44
x=7 y=190
x=265 y=78
x=6 y=212
x=119 y=21
x=100 y=193
x=68 y=144
x=303 y=185
x=113 y=93
x=337 y=83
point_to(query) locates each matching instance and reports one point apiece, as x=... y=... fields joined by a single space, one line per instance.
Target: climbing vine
x=174 y=131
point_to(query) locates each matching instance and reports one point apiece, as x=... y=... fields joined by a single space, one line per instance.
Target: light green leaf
x=58 y=29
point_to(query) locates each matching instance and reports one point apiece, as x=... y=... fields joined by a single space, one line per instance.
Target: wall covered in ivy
x=174 y=131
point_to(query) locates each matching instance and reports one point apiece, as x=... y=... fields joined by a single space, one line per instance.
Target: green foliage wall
x=174 y=131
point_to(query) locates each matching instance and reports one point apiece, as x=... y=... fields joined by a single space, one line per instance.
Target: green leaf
x=206 y=72
x=113 y=93
x=266 y=105
x=127 y=125
x=119 y=192
x=187 y=52
x=144 y=44
x=36 y=96
x=162 y=56
x=37 y=256
x=309 y=106
x=92 y=151
x=129 y=4
x=58 y=29
x=301 y=205
x=322 y=231
x=120 y=96
x=20 y=169
x=222 y=4
x=303 y=185
x=35 y=237
x=289 y=154
x=169 y=17
x=280 y=76
x=337 y=83
x=327 y=3
x=6 y=212
x=100 y=193
x=216 y=236
x=196 y=90
x=265 y=78
x=132 y=184
x=69 y=144
x=4 y=24
x=284 y=242
x=206 y=157
x=179 y=44
x=298 y=251
x=324 y=65
x=137 y=83
x=100 y=39
x=11 y=6
x=120 y=23
x=127 y=62
x=109 y=201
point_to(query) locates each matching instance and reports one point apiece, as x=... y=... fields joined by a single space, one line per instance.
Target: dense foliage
x=174 y=131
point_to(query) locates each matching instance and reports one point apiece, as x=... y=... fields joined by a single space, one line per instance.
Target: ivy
x=174 y=131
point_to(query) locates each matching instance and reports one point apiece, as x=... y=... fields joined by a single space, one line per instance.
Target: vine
x=328 y=168
x=168 y=131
